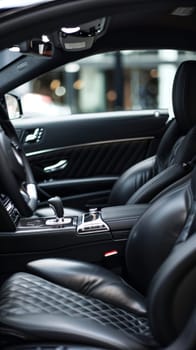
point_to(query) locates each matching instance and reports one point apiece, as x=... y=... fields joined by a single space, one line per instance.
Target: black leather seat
x=71 y=301
x=143 y=181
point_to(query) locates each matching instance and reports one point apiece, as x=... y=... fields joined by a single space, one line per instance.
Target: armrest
x=122 y=218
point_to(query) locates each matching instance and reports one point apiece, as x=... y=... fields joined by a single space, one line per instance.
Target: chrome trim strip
x=36 y=153
x=49 y=229
x=93 y=224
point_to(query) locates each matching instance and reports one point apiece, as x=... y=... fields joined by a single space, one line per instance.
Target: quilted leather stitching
x=24 y=293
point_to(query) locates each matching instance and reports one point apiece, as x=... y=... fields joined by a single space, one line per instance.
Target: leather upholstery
x=172 y=292
x=84 y=303
x=122 y=217
x=155 y=234
x=74 y=330
x=90 y=280
x=184 y=95
x=178 y=184
x=150 y=242
x=76 y=301
x=157 y=183
x=45 y=298
x=178 y=146
x=129 y=187
x=131 y=180
x=142 y=182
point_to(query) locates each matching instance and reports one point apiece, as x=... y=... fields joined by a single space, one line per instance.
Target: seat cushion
x=90 y=280
x=28 y=302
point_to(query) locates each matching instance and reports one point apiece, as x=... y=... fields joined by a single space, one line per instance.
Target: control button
x=58 y=222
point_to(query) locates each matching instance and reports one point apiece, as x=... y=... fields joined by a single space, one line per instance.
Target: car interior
x=97 y=206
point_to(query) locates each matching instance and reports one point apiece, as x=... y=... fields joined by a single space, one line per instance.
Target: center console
x=91 y=236
x=114 y=219
x=108 y=223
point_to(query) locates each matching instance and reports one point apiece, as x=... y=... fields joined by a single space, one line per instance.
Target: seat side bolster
x=171 y=296
x=158 y=183
x=131 y=180
x=73 y=329
x=92 y=280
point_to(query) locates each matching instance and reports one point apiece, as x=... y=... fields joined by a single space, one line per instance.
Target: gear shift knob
x=56 y=204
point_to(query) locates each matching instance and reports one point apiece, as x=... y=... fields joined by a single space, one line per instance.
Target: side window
x=124 y=80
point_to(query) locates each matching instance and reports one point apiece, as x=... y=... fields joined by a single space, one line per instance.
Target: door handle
x=56 y=167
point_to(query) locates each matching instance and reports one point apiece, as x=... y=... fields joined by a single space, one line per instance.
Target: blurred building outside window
x=126 y=80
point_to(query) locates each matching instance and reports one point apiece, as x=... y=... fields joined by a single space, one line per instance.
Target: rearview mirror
x=13 y=105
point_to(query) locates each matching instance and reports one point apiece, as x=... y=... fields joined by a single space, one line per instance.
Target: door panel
x=104 y=159
x=94 y=168
x=81 y=156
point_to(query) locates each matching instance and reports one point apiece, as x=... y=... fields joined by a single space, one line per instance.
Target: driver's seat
x=71 y=301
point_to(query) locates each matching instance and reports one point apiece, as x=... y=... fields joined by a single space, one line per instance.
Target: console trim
x=92 y=222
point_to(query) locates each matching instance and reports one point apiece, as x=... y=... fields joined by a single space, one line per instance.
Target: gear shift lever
x=56 y=204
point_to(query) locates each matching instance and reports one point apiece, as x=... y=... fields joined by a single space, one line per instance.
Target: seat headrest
x=184 y=95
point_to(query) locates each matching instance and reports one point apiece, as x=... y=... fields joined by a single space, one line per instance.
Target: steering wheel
x=16 y=178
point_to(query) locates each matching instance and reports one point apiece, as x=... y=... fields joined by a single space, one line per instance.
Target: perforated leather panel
x=25 y=293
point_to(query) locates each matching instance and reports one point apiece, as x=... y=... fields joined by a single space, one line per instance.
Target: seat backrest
x=167 y=220
x=140 y=183
x=172 y=298
x=161 y=262
x=169 y=170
